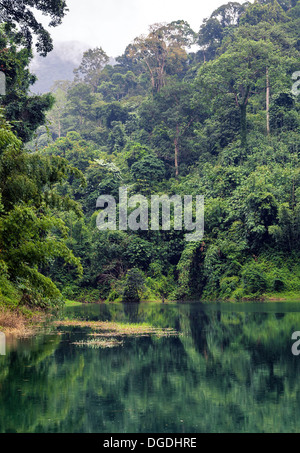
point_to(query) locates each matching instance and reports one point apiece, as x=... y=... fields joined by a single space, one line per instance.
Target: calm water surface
x=230 y=370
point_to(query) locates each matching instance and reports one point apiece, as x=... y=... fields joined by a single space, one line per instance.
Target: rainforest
x=150 y=222
x=213 y=112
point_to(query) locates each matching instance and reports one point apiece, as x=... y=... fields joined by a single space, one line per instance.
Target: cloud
x=111 y=25
x=114 y=24
x=68 y=51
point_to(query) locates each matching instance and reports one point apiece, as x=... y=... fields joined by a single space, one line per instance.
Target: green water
x=230 y=370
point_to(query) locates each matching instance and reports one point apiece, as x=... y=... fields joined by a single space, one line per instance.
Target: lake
x=231 y=369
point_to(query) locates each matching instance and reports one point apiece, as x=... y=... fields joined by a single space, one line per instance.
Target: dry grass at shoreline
x=17 y=324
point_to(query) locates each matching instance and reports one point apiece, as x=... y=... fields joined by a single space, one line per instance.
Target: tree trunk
x=176 y=159
x=243 y=110
x=268 y=101
x=176 y=145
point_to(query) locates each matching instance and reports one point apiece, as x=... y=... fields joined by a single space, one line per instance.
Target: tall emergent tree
x=162 y=50
x=169 y=118
x=220 y=24
x=91 y=66
x=241 y=72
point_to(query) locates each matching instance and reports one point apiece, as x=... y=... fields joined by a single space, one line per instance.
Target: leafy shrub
x=149 y=169
x=228 y=285
x=134 y=286
x=254 y=279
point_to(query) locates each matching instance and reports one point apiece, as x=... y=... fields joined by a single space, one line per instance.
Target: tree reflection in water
x=228 y=371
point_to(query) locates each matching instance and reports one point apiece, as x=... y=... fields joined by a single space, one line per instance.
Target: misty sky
x=113 y=24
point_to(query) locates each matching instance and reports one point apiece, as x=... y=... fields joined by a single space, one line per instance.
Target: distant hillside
x=58 y=65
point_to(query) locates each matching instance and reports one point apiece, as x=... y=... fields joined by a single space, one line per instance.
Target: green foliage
x=222 y=123
x=149 y=169
x=162 y=51
x=30 y=235
x=15 y=13
x=25 y=111
x=254 y=279
x=92 y=64
x=134 y=286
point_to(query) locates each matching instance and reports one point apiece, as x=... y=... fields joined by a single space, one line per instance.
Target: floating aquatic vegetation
x=99 y=344
x=113 y=329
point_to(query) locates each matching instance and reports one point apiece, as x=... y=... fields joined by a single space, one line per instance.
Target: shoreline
x=20 y=324
x=24 y=322
x=285 y=297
